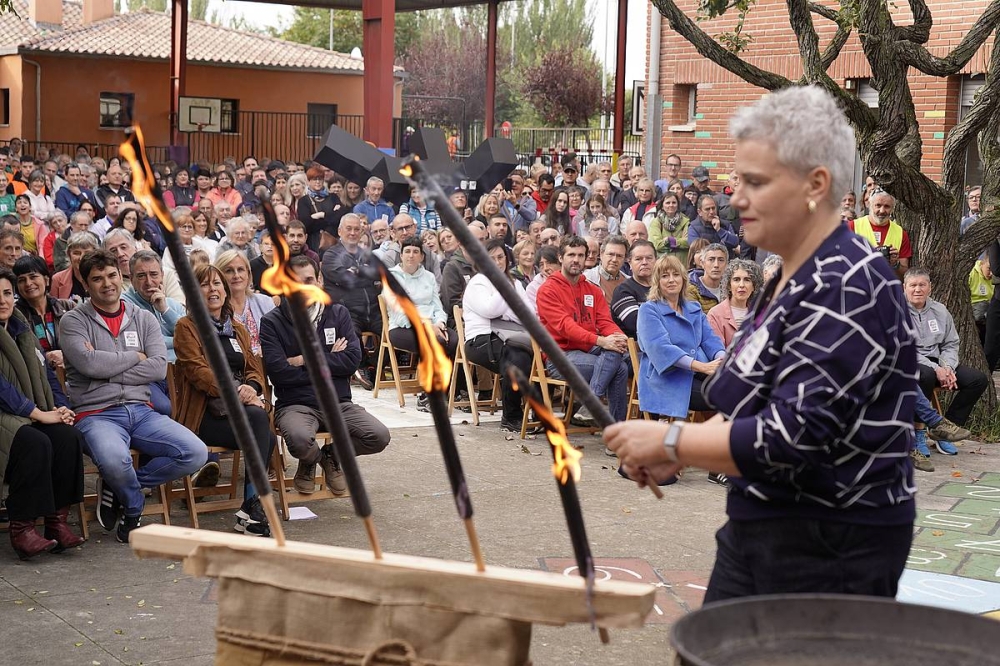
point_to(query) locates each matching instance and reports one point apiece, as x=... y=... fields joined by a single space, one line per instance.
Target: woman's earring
x=812 y=206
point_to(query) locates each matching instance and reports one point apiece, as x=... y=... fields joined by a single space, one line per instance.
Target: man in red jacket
x=576 y=313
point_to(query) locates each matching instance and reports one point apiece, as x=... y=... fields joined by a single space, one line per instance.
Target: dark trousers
x=991 y=343
x=218 y=431
x=406 y=339
x=44 y=470
x=367 y=319
x=489 y=351
x=971 y=384
x=800 y=556
x=698 y=402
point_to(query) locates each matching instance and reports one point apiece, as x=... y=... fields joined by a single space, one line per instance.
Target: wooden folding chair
x=466 y=366
x=385 y=349
x=633 y=394
x=546 y=384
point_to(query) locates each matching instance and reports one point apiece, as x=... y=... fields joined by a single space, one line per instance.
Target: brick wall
x=706 y=141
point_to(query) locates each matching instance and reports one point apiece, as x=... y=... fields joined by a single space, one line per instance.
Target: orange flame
x=434 y=369
x=567 y=458
x=280 y=279
x=277 y=279
x=144 y=185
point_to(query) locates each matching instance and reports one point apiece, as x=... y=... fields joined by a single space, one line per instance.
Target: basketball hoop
x=201 y=126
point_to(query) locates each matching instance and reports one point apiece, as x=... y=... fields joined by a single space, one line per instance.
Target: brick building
x=698 y=96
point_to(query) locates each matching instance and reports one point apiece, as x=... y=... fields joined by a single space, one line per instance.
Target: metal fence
x=591 y=144
x=103 y=150
x=271 y=135
x=296 y=136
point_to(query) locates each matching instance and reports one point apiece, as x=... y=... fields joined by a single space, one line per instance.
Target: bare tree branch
x=800 y=16
x=915 y=55
x=832 y=50
x=985 y=108
x=920 y=31
x=824 y=11
x=712 y=50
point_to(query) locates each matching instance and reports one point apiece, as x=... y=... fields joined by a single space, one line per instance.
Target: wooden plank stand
x=313 y=604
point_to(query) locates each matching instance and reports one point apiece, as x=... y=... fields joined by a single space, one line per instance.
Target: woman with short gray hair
x=815 y=399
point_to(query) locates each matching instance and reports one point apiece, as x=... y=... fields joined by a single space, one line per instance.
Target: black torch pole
x=476 y=253
x=314 y=360
x=435 y=385
x=198 y=311
x=567 y=490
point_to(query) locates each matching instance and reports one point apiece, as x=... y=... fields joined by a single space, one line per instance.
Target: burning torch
x=148 y=193
x=434 y=371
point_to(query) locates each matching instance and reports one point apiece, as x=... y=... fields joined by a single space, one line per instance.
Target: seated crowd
x=89 y=292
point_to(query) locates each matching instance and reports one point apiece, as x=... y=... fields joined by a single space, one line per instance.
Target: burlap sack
x=276 y=615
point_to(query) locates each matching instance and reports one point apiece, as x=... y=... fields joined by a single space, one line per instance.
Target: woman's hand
x=706 y=368
x=55 y=358
x=637 y=443
x=59 y=415
x=339 y=345
x=442 y=330
x=318 y=215
x=248 y=394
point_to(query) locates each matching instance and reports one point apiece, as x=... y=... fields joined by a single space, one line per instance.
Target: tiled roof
x=17 y=30
x=145 y=34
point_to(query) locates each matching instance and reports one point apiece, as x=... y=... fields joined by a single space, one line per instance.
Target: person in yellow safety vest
x=878 y=229
x=981 y=288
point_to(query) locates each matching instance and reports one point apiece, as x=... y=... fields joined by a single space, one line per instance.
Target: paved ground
x=101 y=605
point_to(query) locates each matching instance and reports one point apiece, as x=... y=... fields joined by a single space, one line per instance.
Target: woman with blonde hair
x=679 y=349
x=248 y=306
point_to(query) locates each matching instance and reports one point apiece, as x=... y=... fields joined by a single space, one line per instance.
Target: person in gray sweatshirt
x=113 y=351
x=937 y=349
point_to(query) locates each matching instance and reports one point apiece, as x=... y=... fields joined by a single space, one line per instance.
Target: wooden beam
x=517 y=594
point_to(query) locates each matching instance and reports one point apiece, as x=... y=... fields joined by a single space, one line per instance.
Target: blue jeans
x=925 y=411
x=607 y=372
x=173 y=450
x=806 y=556
x=160 y=398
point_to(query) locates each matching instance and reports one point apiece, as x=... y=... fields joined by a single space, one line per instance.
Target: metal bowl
x=833 y=630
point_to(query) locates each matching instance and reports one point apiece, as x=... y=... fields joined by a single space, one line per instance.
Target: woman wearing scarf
x=199 y=407
x=40 y=450
x=668 y=230
x=319 y=210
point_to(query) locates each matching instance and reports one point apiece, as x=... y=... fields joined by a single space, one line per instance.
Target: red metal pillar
x=618 y=139
x=178 y=64
x=491 y=66
x=380 y=53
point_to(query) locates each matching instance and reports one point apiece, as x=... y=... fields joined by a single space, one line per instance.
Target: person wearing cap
x=274 y=167
x=701 y=180
x=571 y=173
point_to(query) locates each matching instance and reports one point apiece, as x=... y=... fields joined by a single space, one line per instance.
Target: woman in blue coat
x=679 y=348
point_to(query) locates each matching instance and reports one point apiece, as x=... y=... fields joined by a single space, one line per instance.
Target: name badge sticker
x=982 y=290
x=131 y=339
x=330 y=334
x=236 y=345
x=751 y=350
x=588 y=300
x=933 y=325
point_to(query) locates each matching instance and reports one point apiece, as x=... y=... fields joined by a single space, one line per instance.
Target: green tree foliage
x=198 y=10
x=311 y=25
x=155 y=5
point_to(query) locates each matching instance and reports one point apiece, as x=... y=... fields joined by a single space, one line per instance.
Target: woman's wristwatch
x=671 y=438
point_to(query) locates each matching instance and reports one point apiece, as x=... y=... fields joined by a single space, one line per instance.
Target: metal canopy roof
x=401 y=5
